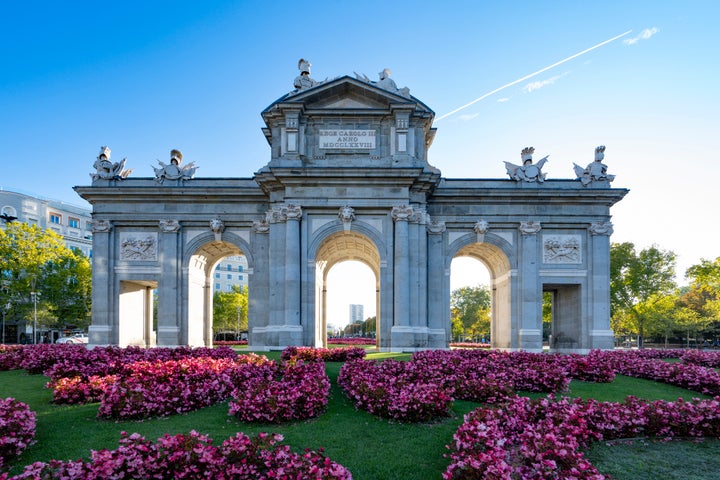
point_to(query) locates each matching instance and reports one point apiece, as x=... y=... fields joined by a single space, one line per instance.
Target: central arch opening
x=347 y=265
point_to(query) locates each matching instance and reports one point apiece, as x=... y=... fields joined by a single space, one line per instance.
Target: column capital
x=169 y=226
x=283 y=213
x=261 y=226
x=435 y=227
x=101 y=226
x=401 y=213
x=601 y=228
x=530 y=227
x=292 y=211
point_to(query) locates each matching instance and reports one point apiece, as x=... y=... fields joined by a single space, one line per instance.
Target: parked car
x=77 y=338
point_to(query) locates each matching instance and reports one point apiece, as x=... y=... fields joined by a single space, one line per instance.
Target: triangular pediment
x=347 y=93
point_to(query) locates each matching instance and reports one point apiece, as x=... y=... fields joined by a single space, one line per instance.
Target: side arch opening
x=215 y=267
x=499 y=277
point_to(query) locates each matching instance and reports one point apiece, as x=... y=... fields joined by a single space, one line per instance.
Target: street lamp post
x=5 y=309
x=237 y=334
x=34 y=298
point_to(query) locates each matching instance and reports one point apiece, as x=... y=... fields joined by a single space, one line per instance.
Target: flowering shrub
x=642 y=364
x=17 y=428
x=702 y=358
x=397 y=390
x=102 y=361
x=294 y=391
x=227 y=343
x=404 y=391
x=38 y=358
x=145 y=389
x=341 y=354
x=76 y=390
x=593 y=367
x=469 y=345
x=352 y=341
x=519 y=370
x=544 y=438
x=10 y=357
x=85 y=375
x=193 y=456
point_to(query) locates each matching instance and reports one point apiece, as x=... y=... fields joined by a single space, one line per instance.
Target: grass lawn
x=369 y=447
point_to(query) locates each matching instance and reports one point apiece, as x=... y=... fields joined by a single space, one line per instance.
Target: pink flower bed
x=17 y=428
x=262 y=390
x=423 y=388
x=294 y=391
x=228 y=343
x=160 y=388
x=102 y=361
x=36 y=359
x=10 y=357
x=469 y=345
x=340 y=354
x=95 y=371
x=352 y=341
x=78 y=390
x=702 y=358
x=395 y=390
x=540 y=439
x=193 y=456
x=640 y=364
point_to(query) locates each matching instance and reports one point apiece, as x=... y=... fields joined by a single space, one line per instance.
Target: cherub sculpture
x=594 y=172
x=174 y=171
x=106 y=170
x=527 y=172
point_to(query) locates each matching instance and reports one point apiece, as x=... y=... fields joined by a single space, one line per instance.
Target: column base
x=602 y=339
x=276 y=337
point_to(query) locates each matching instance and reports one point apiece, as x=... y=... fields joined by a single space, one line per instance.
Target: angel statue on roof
x=174 y=171
x=594 y=172
x=107 y=170
x=527 y=172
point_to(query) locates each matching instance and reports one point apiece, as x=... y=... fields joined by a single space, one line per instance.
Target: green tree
x=703 y=294
x=67 y=289
x=230 y=310
x=37 y=260
x=370 y=325
x=707 y=273
x=547 y=312
x=470 y=311
x=638 y=278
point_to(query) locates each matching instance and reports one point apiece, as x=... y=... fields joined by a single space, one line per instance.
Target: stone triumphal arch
x=349 y=178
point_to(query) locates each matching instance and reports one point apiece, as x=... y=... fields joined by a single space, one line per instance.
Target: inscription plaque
x=347 y=139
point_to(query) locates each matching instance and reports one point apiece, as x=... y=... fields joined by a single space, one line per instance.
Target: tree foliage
x=230 y=310
x=470 y=311
x=37 y=260
x=637 y=281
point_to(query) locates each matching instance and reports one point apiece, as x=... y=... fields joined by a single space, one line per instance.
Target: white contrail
x=533 y=74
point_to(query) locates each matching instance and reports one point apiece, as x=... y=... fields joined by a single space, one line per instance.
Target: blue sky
x=145 y=77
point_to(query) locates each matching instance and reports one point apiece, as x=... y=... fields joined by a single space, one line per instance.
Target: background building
x=230 y=271
x=72 y=222
x=356 y=313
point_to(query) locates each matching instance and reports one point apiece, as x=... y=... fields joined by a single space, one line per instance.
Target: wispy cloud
x=526 y=77
x=503 y=100
x=468 y=116
x=644 y=35
x=532 y=86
